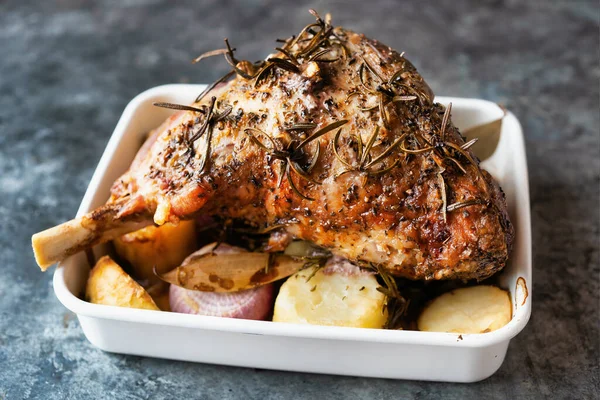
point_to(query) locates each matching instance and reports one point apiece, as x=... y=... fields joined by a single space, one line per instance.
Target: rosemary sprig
x=395 y=304
x=457 y=163
x=206 y=129
x=322 y=131
x=301 y=127
x=293 y=152
x=210 y=54
x=284 y=64
x=469 y=144
x=222 y=79
x=466 y=203
x=181 y=107
x=404 y=149
x=316 y=56
x=398 y=99
x=263 y=73
x=445 y=119
x=385 y=90
x=316 y=265
x=207 y=121
x=361 y=71
x=313 y=44
x=443 y=195
x=445 y=151
x=289 y=55
x=371 y=70
x=364 y=156
x=223 y=114
x=317 y=40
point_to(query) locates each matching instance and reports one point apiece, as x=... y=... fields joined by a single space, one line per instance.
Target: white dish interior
x=262 y=344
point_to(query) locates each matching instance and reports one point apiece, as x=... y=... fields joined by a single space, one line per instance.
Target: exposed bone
x=99 y=226
x=390 y=208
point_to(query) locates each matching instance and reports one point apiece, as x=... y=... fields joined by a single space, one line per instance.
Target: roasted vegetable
x=340 y=294
x=247 y=304
x=224 y=268
x=163 y=247
x=476 y=309
x=108 y=284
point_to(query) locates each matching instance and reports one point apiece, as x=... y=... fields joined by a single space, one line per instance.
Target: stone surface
x=68 y=68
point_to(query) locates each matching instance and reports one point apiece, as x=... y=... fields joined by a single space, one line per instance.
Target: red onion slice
x=246 y=304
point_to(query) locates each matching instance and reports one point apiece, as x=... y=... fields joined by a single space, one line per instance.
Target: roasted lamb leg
x=334 y=139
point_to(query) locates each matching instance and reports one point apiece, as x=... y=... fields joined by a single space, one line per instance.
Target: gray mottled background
x=68 y=68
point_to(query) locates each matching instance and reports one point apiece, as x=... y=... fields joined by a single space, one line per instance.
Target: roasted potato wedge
x=108 y=284
x=164 y=246
x=331 y=297
x=475 y=309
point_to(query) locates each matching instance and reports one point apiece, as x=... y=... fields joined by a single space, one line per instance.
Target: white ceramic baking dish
x=320 y=349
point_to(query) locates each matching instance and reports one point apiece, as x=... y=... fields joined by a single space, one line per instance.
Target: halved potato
x=475 y=309
x=108 y=284
x=331 y=297
x=164 y=246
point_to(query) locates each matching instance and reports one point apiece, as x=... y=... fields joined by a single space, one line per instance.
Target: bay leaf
x=232 y=272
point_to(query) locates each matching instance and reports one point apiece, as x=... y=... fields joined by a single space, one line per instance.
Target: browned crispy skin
x=394 y=219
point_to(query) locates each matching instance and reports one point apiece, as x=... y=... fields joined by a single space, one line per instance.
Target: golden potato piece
x=108 y=284
x=331 y=298
x=165 y=247
x=476 y=309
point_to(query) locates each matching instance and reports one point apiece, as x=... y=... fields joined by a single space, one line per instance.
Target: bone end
x=57 y=243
